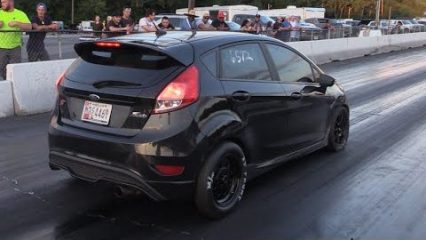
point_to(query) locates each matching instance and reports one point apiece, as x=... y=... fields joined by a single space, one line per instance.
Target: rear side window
x=290 y=66
x=244 y=62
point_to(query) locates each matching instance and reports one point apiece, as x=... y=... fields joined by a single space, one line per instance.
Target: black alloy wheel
x=221 y=182
x=339 y=130
x=226 y=178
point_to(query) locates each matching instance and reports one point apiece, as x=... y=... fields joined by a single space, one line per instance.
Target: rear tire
x=221 y=182
x=339 y=130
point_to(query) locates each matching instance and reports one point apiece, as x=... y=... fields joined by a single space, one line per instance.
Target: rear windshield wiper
x=102 y=84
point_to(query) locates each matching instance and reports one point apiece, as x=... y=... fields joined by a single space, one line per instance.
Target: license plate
x=95 y=112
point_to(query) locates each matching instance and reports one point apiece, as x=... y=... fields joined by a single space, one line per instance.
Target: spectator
x=114 y=28
x=220 y=23
x=295 y=29
x=165 y=24
x=98 y=27
x=398 y=28
x=327 y=25
x=40 y=23
x=247 y=26
x=11 y=19
x=257 y=25
x=205 y=23
x=277 y=25
x=282 y=29
x=127 y=20
x=147 y=23
x=190 y=23
x=269 y=29
x=328 y=28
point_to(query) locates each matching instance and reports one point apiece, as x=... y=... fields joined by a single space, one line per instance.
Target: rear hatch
x=112 y=87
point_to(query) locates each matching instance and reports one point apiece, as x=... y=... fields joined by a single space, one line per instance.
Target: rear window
x=135 y=65
x=128 y=57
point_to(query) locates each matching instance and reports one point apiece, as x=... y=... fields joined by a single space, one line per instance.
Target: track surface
x=375 y=189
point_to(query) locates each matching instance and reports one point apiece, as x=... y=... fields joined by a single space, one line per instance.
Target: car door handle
x=296 y=95
x=241 y=96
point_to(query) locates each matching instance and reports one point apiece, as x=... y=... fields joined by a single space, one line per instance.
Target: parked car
x=233 y=26
x=385 y=26
x=176 y=20
x=340 y=28
x=407 y=26
x=179 y=20
x=319 y=22
x=239 y=18
x=135 y=111
x=86 y=26
x=418 y=27
x=309 y=32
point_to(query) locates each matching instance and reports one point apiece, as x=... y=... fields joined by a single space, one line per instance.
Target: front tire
x=339 y=130
x=221 y=182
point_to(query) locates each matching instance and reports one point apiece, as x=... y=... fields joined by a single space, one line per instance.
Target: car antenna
x=194 y=32
x=159 y=32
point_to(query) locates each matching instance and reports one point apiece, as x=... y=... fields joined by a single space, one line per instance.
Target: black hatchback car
x=192 y=114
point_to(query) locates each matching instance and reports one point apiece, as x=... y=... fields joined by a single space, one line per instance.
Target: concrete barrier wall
x=33 y=84
x=6 y=99
x=345 y=48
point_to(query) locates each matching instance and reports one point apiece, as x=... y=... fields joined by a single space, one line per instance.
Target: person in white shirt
x=295 y=29
x=147 y=23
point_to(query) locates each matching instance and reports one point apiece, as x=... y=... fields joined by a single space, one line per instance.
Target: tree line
x=87 y=9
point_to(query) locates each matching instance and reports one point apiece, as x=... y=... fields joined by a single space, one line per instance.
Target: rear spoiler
x=182 y=53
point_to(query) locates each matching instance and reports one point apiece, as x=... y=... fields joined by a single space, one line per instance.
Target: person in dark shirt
x=40 y=24
x=114 y=28
x=165 y=24
x=127 y=20
x=220 y=23
x=98 y=27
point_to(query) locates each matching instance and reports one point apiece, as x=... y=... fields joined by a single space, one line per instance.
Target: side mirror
x=326 y=80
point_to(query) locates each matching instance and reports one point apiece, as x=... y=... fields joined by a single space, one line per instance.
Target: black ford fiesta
x=192 y=114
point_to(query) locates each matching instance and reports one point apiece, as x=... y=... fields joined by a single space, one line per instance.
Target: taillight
x=59 y=81
x=181 y=92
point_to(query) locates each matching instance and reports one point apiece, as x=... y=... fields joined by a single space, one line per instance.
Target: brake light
x=169 y=170
x=108 y=44
x=181 y=92
x=59 y=81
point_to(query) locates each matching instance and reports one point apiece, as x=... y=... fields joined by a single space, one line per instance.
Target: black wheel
x=339 y=130
x=221 y=182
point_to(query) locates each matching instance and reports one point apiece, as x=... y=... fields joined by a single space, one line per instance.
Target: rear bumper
x=94 y=170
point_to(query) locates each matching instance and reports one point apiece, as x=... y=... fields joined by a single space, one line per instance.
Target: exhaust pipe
x=124 y=191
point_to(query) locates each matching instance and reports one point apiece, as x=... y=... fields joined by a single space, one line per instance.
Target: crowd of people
x=285 y=28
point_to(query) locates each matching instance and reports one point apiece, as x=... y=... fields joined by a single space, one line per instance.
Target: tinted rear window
x=142 y=58
x=136 y=65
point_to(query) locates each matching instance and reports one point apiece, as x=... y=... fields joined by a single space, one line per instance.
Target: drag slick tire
x=221 y=182
x=339 y=130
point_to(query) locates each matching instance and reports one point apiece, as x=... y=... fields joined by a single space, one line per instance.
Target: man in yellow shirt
x=11 y=19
